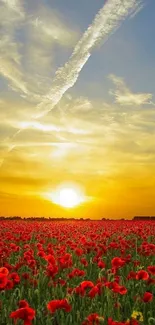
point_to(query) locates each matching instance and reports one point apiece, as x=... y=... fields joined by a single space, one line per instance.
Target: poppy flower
x=151 y=269
x=131 y=275
x=148 y=296
x=93 y=292
x=62 y=282
x=78 y=251
x=23 y=304
x=150 y=281
x=119 y=289
x=76 y=272
x=53 y=305
x=86 y=284
x=84 y=261
x=14 y=277
x=50 y=259
x=101 y=264
x=4 y=270
x=3 y=280
x=51 y=270
x=27 y=314
x=9 y=285
x=92 y=319
x=117 y=262
x=142 y=275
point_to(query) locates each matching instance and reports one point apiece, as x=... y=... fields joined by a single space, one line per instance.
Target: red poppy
x=41 y=254
x=15 y=277
x=142 y=275
x=84 y=261
x=76 y=272
x=4 y=270
x=148 y=296
x=3 y=280
x=119 y=289
x=131 y=275
x=133 y=322
x=62 y=282
x=92 y=319
x=50 y=259
x=150 y=281
x=117 y=262
x=151 y=269
x=93 y=292
x=27 y=314
x=53 y=305
x=51 y=270
x=101 y=264
x=78 y=251
x=86 y=284
x=112 y=322
x=9 y=285
x=23 y=304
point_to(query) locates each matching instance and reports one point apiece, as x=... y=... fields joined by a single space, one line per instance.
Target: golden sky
x=96 y=123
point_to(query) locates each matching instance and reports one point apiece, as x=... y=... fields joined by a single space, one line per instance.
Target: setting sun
x=67 y=196
x=77 y=109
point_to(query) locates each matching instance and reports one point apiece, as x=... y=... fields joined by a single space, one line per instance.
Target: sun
x=67 y=196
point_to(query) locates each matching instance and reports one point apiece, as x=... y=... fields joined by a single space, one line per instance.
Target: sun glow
x=67 y=196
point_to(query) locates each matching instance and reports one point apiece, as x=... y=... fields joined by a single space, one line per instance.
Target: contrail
x=106 y=22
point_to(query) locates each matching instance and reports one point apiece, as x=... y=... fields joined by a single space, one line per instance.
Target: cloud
x=115 y=149
x=13 y=74
x=15 y=6
x=42 y=30
x=105 y=23
x=80 y=105
x=46 y=30
x=49 y=26
x=11 y=15
x=124 y=96
x=107 y=134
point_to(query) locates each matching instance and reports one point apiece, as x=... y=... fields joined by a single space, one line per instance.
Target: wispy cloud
x=11 y=15
x=124 y=96
x=105 y=23
x=116 y=149
x=49 y=26
x=42 y=29
x=16 y=6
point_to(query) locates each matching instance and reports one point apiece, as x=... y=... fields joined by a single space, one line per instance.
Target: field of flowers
x=77 y=272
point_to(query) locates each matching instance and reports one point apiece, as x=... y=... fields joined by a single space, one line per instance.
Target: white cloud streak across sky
x=105 y=23
x=107 y=20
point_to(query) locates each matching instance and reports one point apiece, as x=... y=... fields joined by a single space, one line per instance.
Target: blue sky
x=129 y=52
x=83 y=116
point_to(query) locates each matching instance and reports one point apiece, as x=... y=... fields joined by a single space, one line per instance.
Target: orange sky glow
x=77 y=107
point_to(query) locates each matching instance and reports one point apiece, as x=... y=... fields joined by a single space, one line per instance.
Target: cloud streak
x=15 y=5
x=105 y=23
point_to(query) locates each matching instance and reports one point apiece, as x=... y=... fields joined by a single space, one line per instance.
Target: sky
x=77 y=106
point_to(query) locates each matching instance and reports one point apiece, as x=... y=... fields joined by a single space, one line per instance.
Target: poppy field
x=77 y=272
